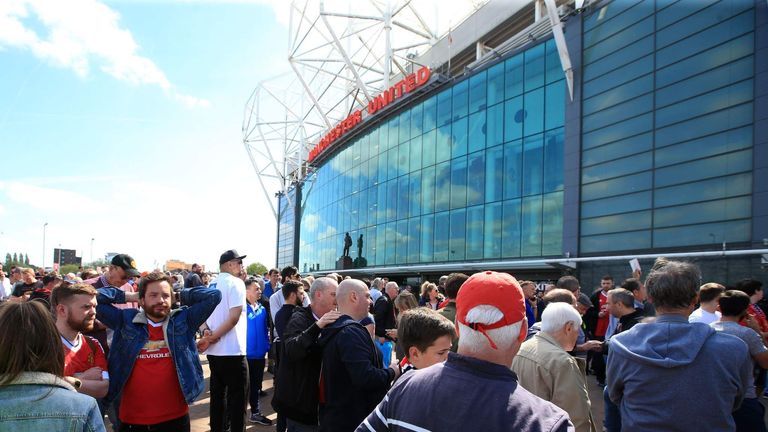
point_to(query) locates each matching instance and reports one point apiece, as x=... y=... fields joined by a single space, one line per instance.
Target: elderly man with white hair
x=545 y=368
x=475 y=385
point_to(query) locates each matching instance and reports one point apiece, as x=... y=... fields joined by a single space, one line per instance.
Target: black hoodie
x=353 y=380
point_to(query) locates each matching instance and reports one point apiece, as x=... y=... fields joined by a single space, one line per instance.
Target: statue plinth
x=344 y=263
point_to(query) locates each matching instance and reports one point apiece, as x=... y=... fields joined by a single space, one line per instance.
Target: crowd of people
x=478 y=352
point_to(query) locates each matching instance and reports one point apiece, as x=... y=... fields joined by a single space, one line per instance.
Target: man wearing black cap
x=226 y=347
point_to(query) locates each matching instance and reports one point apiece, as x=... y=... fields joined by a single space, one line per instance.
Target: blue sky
x=120 y=121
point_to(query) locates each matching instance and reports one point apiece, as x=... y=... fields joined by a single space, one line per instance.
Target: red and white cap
x=499 y=290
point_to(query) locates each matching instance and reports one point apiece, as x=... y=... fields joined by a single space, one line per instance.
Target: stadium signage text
x=404 y=86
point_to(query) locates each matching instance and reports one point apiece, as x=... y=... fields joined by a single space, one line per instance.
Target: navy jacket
x=130 y=327
x=353 y=379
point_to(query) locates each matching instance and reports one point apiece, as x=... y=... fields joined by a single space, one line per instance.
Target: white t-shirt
x=5 y=287
x=702 y=316
x=232 y=295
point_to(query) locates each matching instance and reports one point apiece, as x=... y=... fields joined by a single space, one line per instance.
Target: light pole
x=44 y=226
x=92 y=250
x=59 y=257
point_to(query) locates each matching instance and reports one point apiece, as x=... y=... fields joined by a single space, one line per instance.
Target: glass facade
x=473 y=172
x=667 y=124
x=286 y=229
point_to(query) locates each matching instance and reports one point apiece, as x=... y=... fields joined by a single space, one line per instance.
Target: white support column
x=562 y=48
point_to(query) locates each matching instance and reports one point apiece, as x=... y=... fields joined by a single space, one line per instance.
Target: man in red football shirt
x=75 y=310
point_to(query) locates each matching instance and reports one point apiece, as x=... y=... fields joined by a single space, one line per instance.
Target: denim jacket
x=131 y=333
x=38 y=401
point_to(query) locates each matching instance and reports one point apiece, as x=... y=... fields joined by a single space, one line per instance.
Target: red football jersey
x=82 y=355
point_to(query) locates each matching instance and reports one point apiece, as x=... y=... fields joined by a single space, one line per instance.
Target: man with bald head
x=353 y=379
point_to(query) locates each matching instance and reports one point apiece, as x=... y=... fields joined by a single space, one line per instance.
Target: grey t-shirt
x=749 y=336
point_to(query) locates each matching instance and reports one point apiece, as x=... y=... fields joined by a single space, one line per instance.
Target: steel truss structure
x=338 y=61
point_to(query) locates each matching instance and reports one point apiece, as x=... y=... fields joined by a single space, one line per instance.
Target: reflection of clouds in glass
x=310 y=222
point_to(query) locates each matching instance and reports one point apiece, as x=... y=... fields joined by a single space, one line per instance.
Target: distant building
x=172 y=265
x=64 y=257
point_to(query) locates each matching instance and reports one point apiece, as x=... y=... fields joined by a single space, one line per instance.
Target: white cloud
x=79 y=35
x=41 y=197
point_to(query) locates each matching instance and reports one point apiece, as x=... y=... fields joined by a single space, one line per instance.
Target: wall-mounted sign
x=404 y=86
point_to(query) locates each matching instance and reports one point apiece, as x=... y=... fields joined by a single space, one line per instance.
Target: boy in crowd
x=425 y=337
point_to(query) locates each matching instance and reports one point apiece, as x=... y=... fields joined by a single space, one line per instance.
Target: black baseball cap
x=229 y=256
x=126 y=263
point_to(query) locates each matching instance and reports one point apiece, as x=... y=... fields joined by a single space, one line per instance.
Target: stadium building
x=541 y=142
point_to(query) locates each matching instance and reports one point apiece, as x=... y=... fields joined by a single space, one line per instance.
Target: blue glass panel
x=477 y=92
x=443 y=146
x=403 y=154
x=711 y=211
x=618 y=131
x=381 y=244
x=459 y=138
x=626 y=36
x=373 y=196
x=394 y=132
x=383 y=137
x=534 y=112
x=444 y=107
x=706 y=82
x=618 y=13
x=457 y=243
x=477 y=128
x=474 y=232
x=731 y=163
x=417 y=120
x=711 y=123
x=620 y=112
x=616 y=242
x=390 y=162
x=531 y=226
x=460 y=100
x=476 y=179
x=513 y=173
x=427 y=238
x=555 y=95
x=495 y=125
x=616 y=168
x=414 y=235
x=669 y=15
x=442 y=186
x=513 y=76
x=510 y=229
x=720 y=187
x=415 y=154
x=552 y=230
x=494 y=169
x=714 y=57
x=428 y=144
x=428 y=190
x=514 y=115
x=554 y=69
x=441 y=231
x=415 y=194
x=401 y=239
x=404 y=127
x=430 y=113
x=492 y=231
x=534 y=67
x=618 y=94
x=616 y=223
x=369 y=245
x=707 y=146
x=533 y=164
x=402 y=198
x=629 y=53
x=615 y=150
x=707 y=103
x=622 y=203
x=733 y=231
x=390 y=250
x=714 y=36
x=392 y=200
x=495 y=84
x=459 y=182
x=617 y=186
x=619 y=76
x=553 y=160
x=704 y=19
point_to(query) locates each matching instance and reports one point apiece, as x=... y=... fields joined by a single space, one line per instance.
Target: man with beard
x=156 y=371
x=74 y=307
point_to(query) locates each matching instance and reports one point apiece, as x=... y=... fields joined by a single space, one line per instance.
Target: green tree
x=26 y=259
x=15 y=258
x=96 y=263
x=7 y=259
x=69 y=268
x=256 y=268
